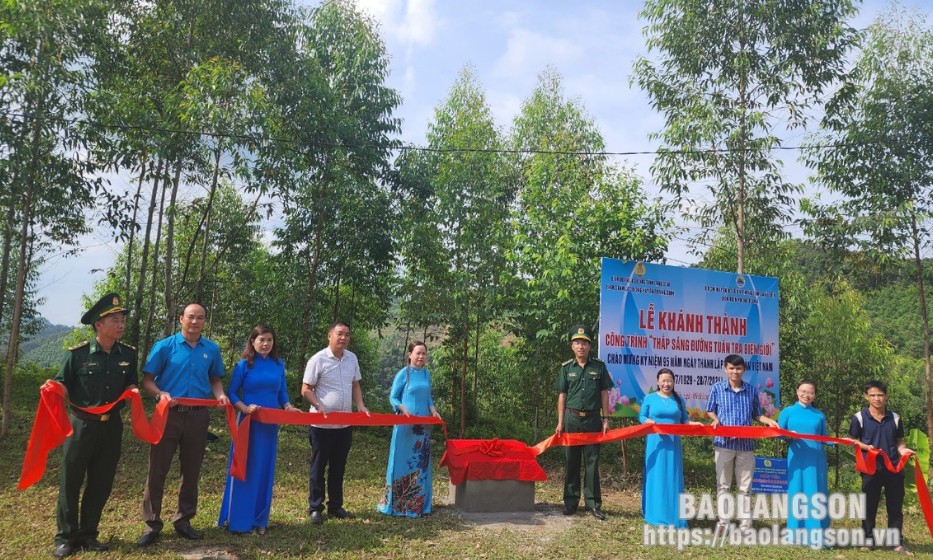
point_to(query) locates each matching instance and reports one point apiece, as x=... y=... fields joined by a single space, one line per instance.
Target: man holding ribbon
x=732 y=402
x=183 y=365
x=583 y=385
x=876 y=427
x=331 y=383
x=95 y=373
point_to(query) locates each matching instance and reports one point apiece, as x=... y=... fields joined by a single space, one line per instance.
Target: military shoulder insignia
x=596 y=360
x=75 y=347
x=130 y=346
x=568 y=362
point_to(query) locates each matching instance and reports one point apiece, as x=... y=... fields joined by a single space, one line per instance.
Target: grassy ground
x=27 y=522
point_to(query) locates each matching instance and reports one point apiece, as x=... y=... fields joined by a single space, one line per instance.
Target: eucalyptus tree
x=842 y=358
x=49 y=181
x=572 y=208
x=726 y=76
x=458 y=248
x=333 y=127
x=182 y=103
x=875 y=149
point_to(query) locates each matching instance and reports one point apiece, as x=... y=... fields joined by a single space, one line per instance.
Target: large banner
x=653 y=316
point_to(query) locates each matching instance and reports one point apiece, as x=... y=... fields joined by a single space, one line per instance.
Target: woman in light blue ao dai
x=806 y=464
x=408 y=476
x=663 y=480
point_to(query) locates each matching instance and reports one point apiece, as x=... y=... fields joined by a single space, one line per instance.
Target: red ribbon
x=239 y=435
x=863 y=464
x=52 y=425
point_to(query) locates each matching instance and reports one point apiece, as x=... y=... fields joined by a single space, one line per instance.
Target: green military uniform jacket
x=94 y=377
x=584 y=385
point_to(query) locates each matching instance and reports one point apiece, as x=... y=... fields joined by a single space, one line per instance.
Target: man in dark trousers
x=583 y=406
x=95 y=373
x=876 y=427
x=331 y=383
x=183 y=365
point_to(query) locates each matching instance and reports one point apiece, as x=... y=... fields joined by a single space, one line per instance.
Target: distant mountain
x=45 y=349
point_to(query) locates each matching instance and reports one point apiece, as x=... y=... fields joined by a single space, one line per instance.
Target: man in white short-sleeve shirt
x=331 y=383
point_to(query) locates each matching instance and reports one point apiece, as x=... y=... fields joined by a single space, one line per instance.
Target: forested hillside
x=262 y=175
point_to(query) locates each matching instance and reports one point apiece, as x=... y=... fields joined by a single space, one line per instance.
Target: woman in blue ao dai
x=408 y=476
x=663 y=480
x=258 y=380
x=806 y=465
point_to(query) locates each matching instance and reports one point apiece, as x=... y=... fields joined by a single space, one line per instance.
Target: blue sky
x=592 y=43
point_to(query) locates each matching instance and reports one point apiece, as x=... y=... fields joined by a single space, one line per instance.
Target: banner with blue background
x=653 y=316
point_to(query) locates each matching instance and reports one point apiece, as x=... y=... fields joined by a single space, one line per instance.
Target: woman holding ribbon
x=258 y=380
x=664 y=470
x=408 y=476
x=806 y=467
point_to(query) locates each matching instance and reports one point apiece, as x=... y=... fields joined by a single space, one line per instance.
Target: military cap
x=581 y=332
x=107 y=305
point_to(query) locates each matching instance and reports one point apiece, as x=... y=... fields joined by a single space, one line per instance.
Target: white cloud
x=421 y=23
x=531 y=51
x=411 y=22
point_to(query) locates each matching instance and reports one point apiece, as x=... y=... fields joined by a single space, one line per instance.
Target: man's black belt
x=88 y=417
x=184 y=408
x=582 y=413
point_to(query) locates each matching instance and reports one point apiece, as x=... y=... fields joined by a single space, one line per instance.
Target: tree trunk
x=925 y=325
x=740 y=194
x=479 y=332
x=150 y=312
x=144 y=259
x=170 y=299
x=336 y=308
x=128 y=284
x=22 y=266
x=5 y=265
x=463 y=377
x=311 y=287
x=208 y=214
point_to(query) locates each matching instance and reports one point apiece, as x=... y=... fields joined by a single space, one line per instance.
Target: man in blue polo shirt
x=875 y=427
x=735 y=403
x=182 y=365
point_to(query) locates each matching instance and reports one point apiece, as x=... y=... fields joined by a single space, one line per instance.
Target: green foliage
x=894 y=312
x=725 y=76
x=455 y=210
x=842 y=359
x=920 y=444
x=45 y=351
x=874 y=149
x=570 y=211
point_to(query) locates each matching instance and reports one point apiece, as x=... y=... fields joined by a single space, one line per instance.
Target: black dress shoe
x=148 y=538
x=316 y=518
x=569 y=509
x=95 y=545
x=189 y=532
x=598 y=514
x=64 y=549
x=341 y=514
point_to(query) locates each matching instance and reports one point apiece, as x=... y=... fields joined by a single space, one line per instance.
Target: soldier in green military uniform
x=583 y=406
x=94 y=373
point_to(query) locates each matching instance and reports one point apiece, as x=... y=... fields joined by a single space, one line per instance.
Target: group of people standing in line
x=188 y=365
x=583 y=384
x=733 y=402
